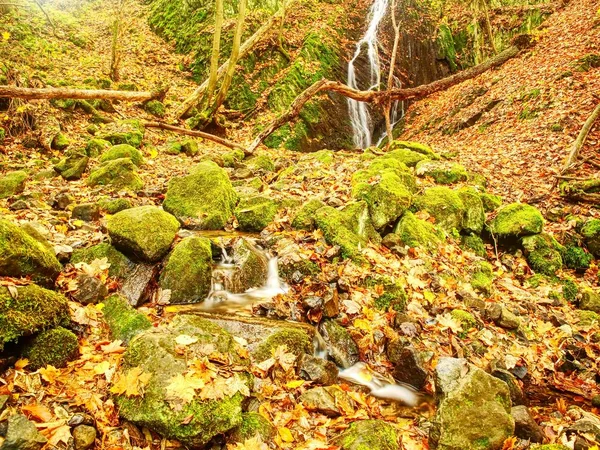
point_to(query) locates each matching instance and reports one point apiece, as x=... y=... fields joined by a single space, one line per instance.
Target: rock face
x=517 y=220
x=204 y=199
x=22 y=435
x=369 y=434
x=118 y=174
x=146 y=232
x=255 y=213
x=21 y=256
x=154 y=351
x=340 y=345
x=33 y=310
x=54 y=347
x=123 y=151
x=187 y=272
x=12 y=183
x=468 y=392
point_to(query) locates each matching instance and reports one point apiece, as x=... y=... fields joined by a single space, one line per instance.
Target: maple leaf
x=234 y=385
x=132 y=383
x=183 y=387
x=49 y=374
x=284 y=359
x=447 y=321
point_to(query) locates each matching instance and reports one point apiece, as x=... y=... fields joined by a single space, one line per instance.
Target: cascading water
x=359 y=112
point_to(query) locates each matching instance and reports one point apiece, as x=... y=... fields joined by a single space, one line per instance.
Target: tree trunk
x=115 y=56
x=578 y=144
x=245 y=48
x=83 y=94
x=388 y=105
x=216 y=49
x=201 y=134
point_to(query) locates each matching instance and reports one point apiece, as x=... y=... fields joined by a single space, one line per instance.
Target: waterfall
x=359 y=112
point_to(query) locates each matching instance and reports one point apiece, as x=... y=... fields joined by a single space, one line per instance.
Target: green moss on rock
x=120 y=266
x=232 y=157
x=34 y=309
x=473 y=243
x=415 y=232
x=189 y=147
x=424 y=149
x=95 y=147
x=115 y=205
x=304 y=219
x=118 y=174
x=543 y=253
x=491 y=202
x=588 y=318
x=261 y=162
x=517 y=220
x=187 y=272
x=145 y=231
x=591 y=234
x=577 y=258
x=406 y=156
x=296 y=341
x=482 y=278
x=73 y=165
x=253 y=424
x=123 y=151
x=474 y=217
x=129 y=131
x=55 y=347
x=156 y=108
x=465 y=318
x=549 y=447
x=59 y=142
x=122 y=319
x=336 y=232
x=255 y=213
x=12 y=183
x=590 y=301
x=204 y=199
x=23 y=256
x=369 y=435
x=443 y=172
x=445 y=205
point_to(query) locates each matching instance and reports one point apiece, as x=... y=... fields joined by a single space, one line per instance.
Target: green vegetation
x=55 y=347
x=123 y=321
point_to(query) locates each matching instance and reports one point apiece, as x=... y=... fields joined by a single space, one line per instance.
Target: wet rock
x=329 y=400
x=296 y=341
x=317 y=370
x=252 y=424
x=22 y=435
x=312 y=302
x=84 y=437
x=188 y=269
x=466 y=391
x=90 y=290
x=123 y=321
x=145 y=231
x=21 y=255
x=517 y=220
x=293 y=263
x=251 y=267
x=119 y=174
x=517 y=396
x=408 y=367
x=369 y=434
x=88 y=212
x=341 y=347
x=525 y=426
x=73 y=165
x=137 y=287
x=12 y=183
x=55 y=347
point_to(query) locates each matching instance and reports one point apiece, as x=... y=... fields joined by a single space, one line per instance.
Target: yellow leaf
x=132 y=383
x=294 y=384
x=362 y=324
x=429 y=296
x=101 y=368
x=6 y=35
x=183 y=387
x=21 y=363
x=49 y=374
x=152 y=153
x=285 y=434
x=184 y=339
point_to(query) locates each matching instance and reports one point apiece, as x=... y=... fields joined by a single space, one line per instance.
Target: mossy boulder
x=261 y=162
x=123 y=151
x=251 y=267
x=415 y=232
x=130 y=131
x=591 y=235
x=253 y=424
x=549 y=447
x=124 y=321
x=187 y=272
x=394 y=296
x=369 y=435
x=117 y=174
x=474 y=217
x=482 y=277
x=517 y=220
x=233 y=157
x=12 y=183
x=59 y=142
x=146 y=232
x=255 y=213
x=21 y=255
x=55 y=347
x=156 y=108
x=577 y=258
x=190 y=147
x=473 y=243
x=336 y=231
x=424 y=149
x=304 y=219
x=490 y=202
x=445 y=205
x=95 y=147
x=156 y=353
x=465 y=318
x=473 y=394
x=295 y=340
x=115 y=205
x=588 y=318
x=339 y=344
x=204 y=199
x=543 y=253
x=120 y=265
x=73 y=165
x=443 y=172
x=407 y=156
x=357 y=218
x=33 y=309
x=590 y=301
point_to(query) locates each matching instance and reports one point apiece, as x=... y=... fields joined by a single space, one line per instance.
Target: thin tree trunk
x=245 y=48
x=115 y=56
x=216 y=49
x=85 y=94
x=201 y=134
x=488 y=27
x=388 y=105
x=45 y=14
x=578 y=144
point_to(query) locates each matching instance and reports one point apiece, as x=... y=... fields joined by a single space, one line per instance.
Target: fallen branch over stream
x=77 y=94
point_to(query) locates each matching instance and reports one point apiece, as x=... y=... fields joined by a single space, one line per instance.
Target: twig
x=201 y=134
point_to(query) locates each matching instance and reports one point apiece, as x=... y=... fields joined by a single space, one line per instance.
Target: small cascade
x=359 y=112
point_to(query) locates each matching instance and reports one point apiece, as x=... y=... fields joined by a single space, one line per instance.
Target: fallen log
x=201 y=134
x=77 y=94
x=580 y=141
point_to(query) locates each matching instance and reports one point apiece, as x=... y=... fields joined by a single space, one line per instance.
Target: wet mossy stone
x=377 y=168
x=33 y=309
x=255 y=213
x=204 y=199
x=129 y=131
x=339 y=343
x=332 y=223
x=261 y=162
x=156 y=108
x=490 y=202
x=474 y=217
x=517 y=220
x=116 y=205
x=394 y=296
x=444 y=204
x=415 y=232
x=543 y=253
x=73 y=165
x=369 y=435
x=406 y=156
x=577 y=258
x=156 y=352
x=591 y=234
x=118 y=174
x=357 y=219
x=187 y=272
x=295 y=340
x=233 y=157
x=59 y=142
x=482 y=277
x=473 y=394
x=305 y=217
x=146 y=232
x=123 y=151
x=120 y=266
x=55 y=347
x=253 y=424
x=473 y=243
x=443 y=172
x=424 y=149
x=95 y=147
x=12 y=183
x=23 y=256
x=590 y=301
x=124 y=321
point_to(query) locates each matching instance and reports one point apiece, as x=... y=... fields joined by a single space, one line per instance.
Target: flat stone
x=88 y=212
